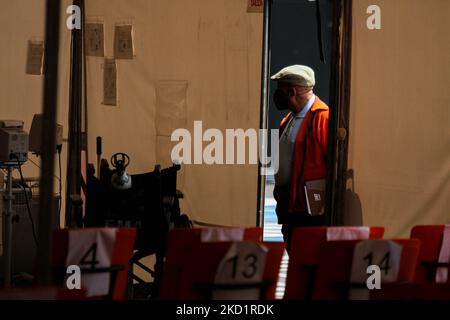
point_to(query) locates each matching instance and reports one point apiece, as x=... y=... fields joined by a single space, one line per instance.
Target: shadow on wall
x=352 y=215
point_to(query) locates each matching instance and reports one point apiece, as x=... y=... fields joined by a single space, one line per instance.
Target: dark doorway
x=294 y=39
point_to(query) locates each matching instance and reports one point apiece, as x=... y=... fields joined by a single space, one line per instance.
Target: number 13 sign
x=244 y=263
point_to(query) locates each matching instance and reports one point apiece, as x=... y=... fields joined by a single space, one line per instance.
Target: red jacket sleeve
x=321 y=126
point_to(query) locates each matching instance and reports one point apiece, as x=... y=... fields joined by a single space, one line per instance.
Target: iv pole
x=8 y=216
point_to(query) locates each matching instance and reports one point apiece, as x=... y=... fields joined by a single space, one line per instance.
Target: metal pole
x=344 y=118
x=333 y=125
x=7 y=245
x=263 y=120
x=340 y=82
x=46 y=210
x=73 y=181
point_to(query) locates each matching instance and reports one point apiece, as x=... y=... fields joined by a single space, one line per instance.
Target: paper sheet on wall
x=92 y=249
x=35 y=55
x=95 y=45
x=123 y=42
x=255 y=6
x=384 y=253
x=110 y=82
x=170 y=106
x=244 y=263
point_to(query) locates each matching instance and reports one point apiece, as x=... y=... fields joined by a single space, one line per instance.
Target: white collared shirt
x=287 y=144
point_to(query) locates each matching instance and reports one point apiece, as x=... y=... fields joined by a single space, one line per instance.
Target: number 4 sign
x=92 y=249
x=244 y=263
x=382 y=253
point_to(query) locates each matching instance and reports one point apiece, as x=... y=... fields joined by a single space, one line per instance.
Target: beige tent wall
x=21 y=94
x=194 y=60
x=400 y=116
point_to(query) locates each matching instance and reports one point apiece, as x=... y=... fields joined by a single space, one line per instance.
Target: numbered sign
x=243 y=264
x=92 y=249
x=222 y=234
x=374 y=262
x=444 y=256
x=347 y=233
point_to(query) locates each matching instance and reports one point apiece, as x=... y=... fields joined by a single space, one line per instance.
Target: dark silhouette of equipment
x=150 y=203
x=99 y=154
x=120 y=179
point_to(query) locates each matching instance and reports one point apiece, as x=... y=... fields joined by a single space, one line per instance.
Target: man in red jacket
x=302 y=146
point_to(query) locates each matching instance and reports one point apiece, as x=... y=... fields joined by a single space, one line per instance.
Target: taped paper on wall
x=110 y=82
x=35 y=55
x=123 y=42
x=255 y=6
x=95 y=45
x=170 y=106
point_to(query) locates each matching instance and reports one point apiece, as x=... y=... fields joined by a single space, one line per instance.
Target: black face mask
x=281 y=100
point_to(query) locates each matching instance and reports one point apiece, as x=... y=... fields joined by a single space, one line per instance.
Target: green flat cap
x=297 y=75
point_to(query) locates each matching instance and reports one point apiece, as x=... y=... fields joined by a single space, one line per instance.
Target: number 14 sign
x=383 y=256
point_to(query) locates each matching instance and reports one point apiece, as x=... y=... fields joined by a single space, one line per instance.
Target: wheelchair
x=150 y=203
